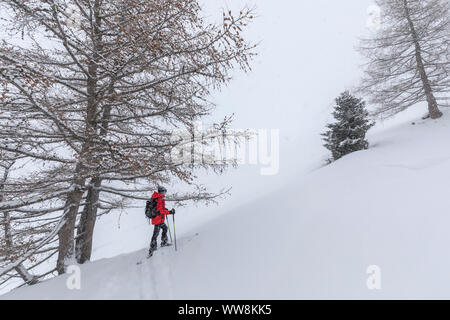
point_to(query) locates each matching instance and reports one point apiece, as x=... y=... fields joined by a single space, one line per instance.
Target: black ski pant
x=156 y=230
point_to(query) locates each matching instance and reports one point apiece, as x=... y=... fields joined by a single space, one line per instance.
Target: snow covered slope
x=388 y=206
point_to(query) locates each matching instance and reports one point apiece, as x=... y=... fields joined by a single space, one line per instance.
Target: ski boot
x=165 y=244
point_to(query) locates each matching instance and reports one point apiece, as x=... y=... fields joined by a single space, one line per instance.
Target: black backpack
x=150 y=209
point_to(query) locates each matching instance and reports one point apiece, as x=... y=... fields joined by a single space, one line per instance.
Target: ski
x=142 y=261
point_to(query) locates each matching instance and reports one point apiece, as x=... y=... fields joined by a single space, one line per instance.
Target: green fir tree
x=348 y=133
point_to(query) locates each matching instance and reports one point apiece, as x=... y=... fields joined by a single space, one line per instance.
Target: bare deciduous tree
x=409 y=56
x=93 y=100
x=12 y=242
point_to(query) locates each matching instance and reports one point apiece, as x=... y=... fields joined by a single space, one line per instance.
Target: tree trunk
x=433 y=108
x=27 y=277
x=85 y=230
x=67 y=232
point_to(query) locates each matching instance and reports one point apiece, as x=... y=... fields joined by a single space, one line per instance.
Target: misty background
x=306 y=57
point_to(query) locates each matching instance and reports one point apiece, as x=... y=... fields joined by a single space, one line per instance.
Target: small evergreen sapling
x=348 y=133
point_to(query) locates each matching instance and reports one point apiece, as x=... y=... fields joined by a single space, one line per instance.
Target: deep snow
x=387 y=206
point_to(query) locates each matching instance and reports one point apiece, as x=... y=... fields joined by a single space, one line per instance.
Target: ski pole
x=174 y=234
x=168 y=227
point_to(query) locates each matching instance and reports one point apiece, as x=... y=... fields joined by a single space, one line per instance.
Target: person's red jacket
x=161 y=208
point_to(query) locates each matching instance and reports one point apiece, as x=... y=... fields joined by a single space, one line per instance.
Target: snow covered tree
x=92 y=100
x=409 y=56
x=12 y=242
x=348 y=133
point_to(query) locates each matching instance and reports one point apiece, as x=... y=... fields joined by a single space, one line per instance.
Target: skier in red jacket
x=159 y=220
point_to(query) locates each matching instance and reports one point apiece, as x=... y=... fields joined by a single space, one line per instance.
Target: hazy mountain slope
x=387 y=206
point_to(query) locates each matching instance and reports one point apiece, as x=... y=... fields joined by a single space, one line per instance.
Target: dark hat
x=162 y=189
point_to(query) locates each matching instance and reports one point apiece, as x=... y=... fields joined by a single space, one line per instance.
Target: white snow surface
x=388 y=206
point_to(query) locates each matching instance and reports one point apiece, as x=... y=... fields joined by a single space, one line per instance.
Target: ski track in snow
x=141 y=276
